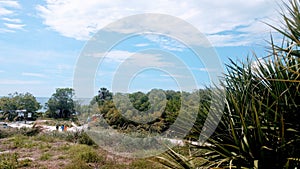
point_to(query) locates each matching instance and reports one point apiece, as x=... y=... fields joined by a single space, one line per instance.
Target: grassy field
x=30 y=148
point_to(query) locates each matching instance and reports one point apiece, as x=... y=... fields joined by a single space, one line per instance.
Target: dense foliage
x=18 y=101
x=152 y=112
x=61 y=103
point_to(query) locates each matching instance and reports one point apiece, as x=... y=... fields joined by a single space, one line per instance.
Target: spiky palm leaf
x=260 y=124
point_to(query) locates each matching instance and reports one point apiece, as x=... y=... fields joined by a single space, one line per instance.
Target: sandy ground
x=75 y=128
x=29 y=124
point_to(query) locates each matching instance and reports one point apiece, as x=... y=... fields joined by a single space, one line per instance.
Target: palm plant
x=260 y=123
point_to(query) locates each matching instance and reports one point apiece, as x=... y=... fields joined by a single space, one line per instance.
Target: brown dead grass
x=54 y=153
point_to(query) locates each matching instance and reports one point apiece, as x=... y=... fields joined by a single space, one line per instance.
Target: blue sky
x=40 y=41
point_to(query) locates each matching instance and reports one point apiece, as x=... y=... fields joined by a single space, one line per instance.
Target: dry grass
x=50 y=151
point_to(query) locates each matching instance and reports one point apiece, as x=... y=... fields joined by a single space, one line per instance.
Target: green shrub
x=9 y=161
x=86 y=154
x=65 y=147
x=84 y=138
x=18 y=141
x=21 y=141
x=75 y=137
x=89 y=157
x=30 y=131
x=144 y=164
x=4 y=133
x=78 y=165
x=45 y=137
x=25 y=163
x=45 y=156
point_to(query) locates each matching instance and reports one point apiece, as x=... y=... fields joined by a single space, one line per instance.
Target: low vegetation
x=59 y=150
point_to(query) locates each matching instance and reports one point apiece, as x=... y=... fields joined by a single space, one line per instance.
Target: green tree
x=139 y=101
x=61 y=103
x=150 y=112
x=103 y=95
x=26 y=101
x=18 y=101
x=8 y=107
x=7 y=104
x=173 y=106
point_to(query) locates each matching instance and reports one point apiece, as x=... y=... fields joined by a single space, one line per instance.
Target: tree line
x=60 y=105
x=151 y=112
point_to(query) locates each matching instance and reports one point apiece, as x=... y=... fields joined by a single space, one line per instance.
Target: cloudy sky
x=41 y=42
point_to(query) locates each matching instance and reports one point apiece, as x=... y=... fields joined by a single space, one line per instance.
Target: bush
x=84 y=138
x=86 y=154
x=45 y=137
x=78 y=165
x=35 y=130
x=76 y=137
x=9 y=161
x=18 y=141
x=89 y=156
x=4 y=133
x=45 y=156
x=25 y=163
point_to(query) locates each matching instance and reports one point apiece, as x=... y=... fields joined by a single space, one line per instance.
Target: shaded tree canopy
x=61 y=103
x=18 y=101
x=151 y=112
x=103 y=95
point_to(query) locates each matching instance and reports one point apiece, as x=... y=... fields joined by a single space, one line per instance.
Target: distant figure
x=62 y=127
x=57 y=126
x=88 y=119
x=66 y=127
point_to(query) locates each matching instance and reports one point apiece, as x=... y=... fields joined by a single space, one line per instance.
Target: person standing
x=57 y=126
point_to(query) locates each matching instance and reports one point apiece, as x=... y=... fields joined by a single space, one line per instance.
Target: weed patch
x=45 y=156
x=9 y=160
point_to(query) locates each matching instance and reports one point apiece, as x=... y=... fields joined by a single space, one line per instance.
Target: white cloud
x=114 y=56
x=9 y=3
x=148 y=60
x=12 y=20
x=1 y=71
x=19 y=82
x=174 y=76
x=8 y=9
x=204 y=69
x=3 y=30
x=229 y=40
x=166 y=42
x=14 y=26
x=33 y=74
x=4 y=11
x=133 y=58
x=141 y=45
x=127 y=61
x=78 y=20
